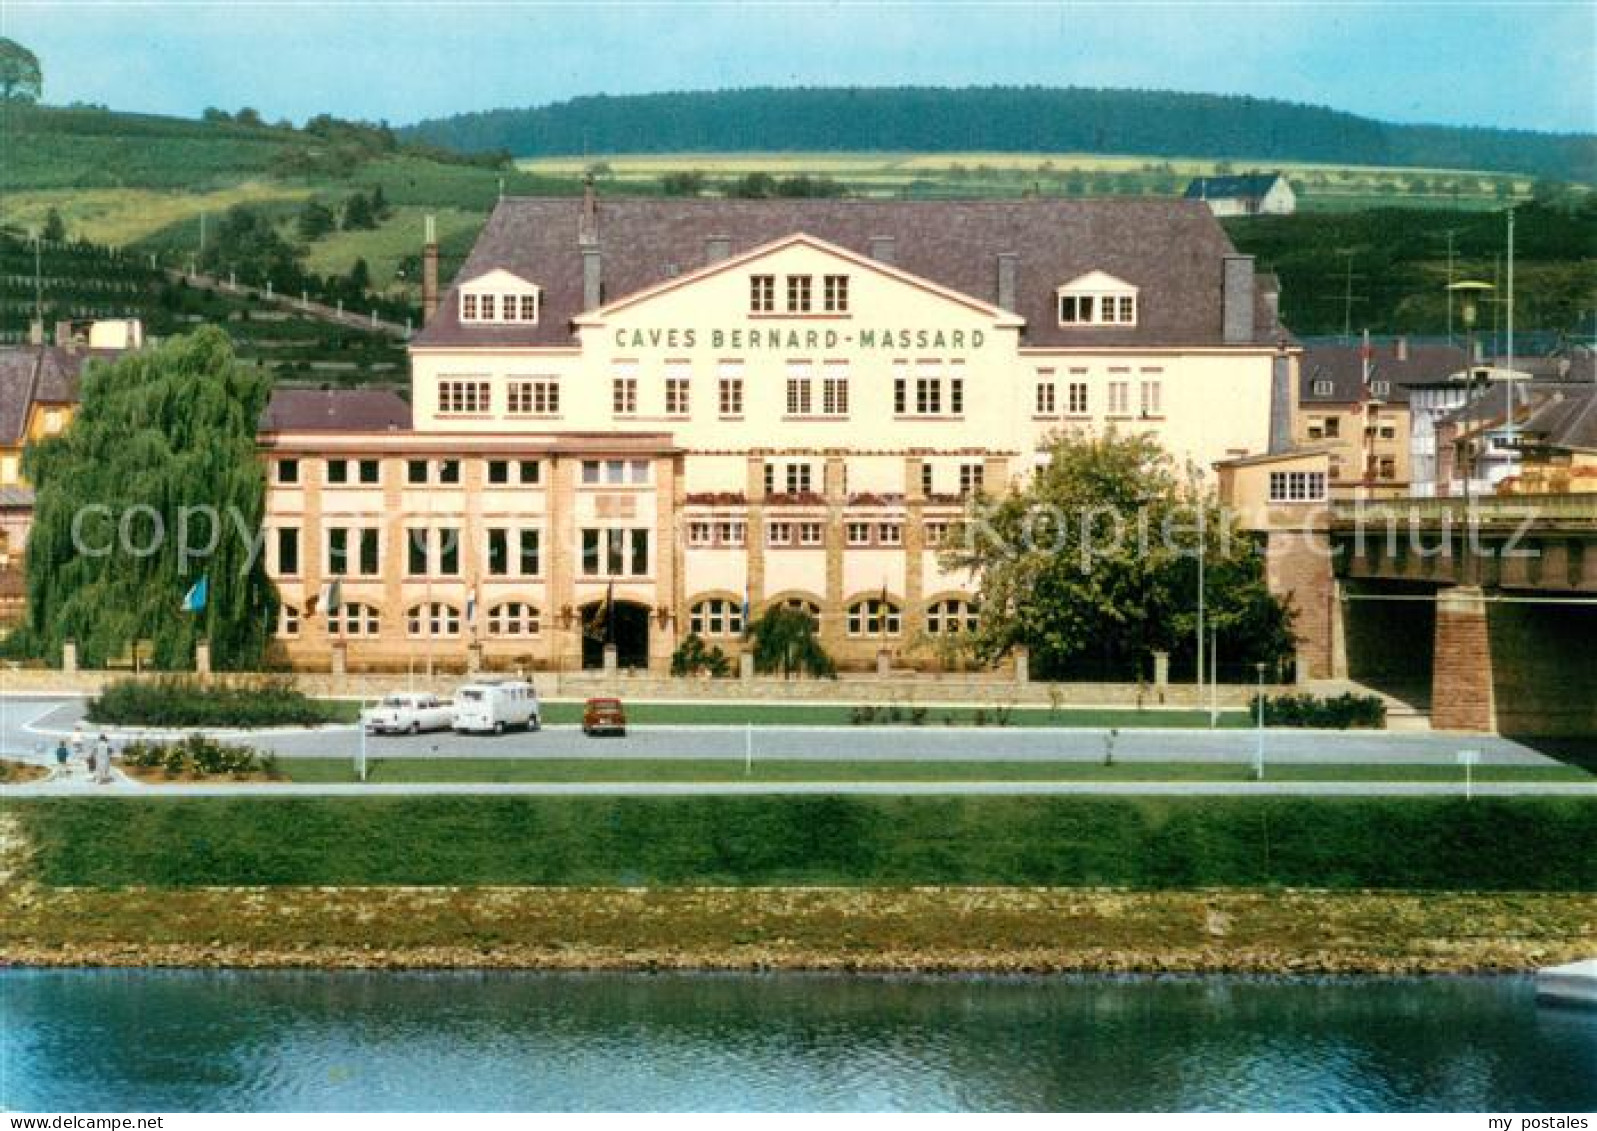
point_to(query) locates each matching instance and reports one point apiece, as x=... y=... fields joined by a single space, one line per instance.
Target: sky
x=1527 y=64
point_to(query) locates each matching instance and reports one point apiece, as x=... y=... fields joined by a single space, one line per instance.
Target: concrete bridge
x=1485 y=608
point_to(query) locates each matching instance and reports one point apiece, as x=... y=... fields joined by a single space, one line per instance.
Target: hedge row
x=1402 y=843
x=183 y=701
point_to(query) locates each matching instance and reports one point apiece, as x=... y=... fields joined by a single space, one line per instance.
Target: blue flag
x=194 y=599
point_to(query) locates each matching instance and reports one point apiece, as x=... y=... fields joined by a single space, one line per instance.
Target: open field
x=710 y=769
x=978 y=174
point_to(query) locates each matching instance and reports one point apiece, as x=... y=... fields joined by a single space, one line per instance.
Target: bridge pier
x=1461 y=668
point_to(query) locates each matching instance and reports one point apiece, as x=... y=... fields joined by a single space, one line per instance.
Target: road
x=30 y=728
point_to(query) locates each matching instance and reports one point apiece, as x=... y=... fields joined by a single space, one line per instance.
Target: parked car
x=604 y=716
x=493 y=705
x=410 y=713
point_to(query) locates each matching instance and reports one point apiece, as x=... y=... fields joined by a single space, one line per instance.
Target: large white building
x=696 y=407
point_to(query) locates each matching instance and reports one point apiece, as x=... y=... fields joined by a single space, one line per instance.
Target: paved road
x=702 y=789
x=32 y=725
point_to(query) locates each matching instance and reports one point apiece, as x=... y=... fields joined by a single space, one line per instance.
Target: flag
x=745 y=611
x=1364 y=367
x=471 y=607
x=610 y=614
x=333 y=597
x=194 y=599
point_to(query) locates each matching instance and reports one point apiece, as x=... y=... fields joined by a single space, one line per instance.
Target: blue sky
x=1527 y=65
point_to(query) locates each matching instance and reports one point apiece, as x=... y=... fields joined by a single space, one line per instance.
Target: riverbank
x=977 y=930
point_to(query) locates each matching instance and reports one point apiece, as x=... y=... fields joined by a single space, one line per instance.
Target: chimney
x=717 y=248
x=1272 y=303
x=1237 y=299
x=588 y=221
x=36 y=332
x=1400 y=347
x=592 y=279
x=63 y=335
x=882 y=249
x=1007 y=263
x=429 y=274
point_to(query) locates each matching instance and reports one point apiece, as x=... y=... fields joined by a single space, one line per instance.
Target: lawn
x=1493 y=844
x=843 y=714
x=779 y=770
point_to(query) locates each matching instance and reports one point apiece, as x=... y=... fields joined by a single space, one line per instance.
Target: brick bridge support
x=1461 y=671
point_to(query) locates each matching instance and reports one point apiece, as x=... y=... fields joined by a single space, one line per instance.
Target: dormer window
x=1097 y=299
x=499 y=298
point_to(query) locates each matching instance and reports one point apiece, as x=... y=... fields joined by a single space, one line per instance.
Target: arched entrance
x=626 y=625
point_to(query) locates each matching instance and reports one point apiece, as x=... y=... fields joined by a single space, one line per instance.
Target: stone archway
x=626 y=625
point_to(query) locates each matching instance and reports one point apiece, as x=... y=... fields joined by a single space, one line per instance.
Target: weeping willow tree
x=155 y=485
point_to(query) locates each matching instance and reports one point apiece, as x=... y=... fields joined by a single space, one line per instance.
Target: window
x=1077 y=398
x=513 y=618
x=936 y=532
x=900 y=395
x=716 y=616
x=859 y=534
x=810 y=534
x=337 y=552
x=448 y=539
x=416 y=540
x=614 y=472
x=354 y=619
x=890 y=534
x=798 y=479
x=369 y=559
x=415 y=471
x=701 y=534
x=676 y=396
x=426 y=549
x=288 y=551
x=498 y=552
x=624 y=396
x=529 y=471
x=874 y=617
x=798 y=389
x=762 y=294
x=1046 y=402
x=970 y=478
x=485 y=304
x=1119 y=398
x=779 y=534
x=287 y=470
x=731 y=401
x=1151 y=398
x=798 y=294
x=730 y=532
x=338 y=471
x=956 y=391
x=434 y=619
x=498 y=471
x=928 y=396
x=1322 y=387
x=371 y=471
x=1097 y=300
x=1297 y=486
x=288 y=622
x=456 y=397
x=1386 y=468
x=1333 y=427
x=615 y=553
x=925 y=479
x=1380 y=388
x=539 y=397
x=950 y=616
x=468 y=307
x=835 y=294
x=834 y=389
x=529 y=308
x=449 y=471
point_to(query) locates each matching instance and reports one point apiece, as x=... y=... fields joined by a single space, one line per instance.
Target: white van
x=493 y=705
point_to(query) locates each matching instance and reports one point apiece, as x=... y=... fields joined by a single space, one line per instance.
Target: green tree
x=20 y=75
x=358 y=215
x=315 y=221
x=164 y=443
x=55 y=229
x=248 y=116
x=753 y=186
x=785 y=642
x=693 y=657
x=689 y=182
x=359 y=279
x=1093 y=566
x=381 y=209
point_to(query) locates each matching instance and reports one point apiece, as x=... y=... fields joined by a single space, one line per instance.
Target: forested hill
x=1004 y=119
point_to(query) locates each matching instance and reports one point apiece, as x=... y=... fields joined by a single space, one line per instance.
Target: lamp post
x=1472 y=292
x=1258 y=750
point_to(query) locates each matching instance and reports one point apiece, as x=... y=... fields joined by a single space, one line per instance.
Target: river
x=94 y=1040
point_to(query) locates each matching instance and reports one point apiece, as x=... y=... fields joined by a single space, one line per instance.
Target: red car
x=604 y=716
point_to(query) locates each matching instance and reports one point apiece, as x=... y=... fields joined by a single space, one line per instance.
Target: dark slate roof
x=1343 y=366
x=1248 y=186
x=335 y=410
x=1171 y=250
x=39 y=374
x=1490 y=408
x=1567 y=419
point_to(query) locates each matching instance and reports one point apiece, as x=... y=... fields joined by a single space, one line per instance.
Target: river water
x=76 y=1040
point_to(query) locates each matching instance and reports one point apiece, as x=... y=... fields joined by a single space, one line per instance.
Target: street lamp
x=1258 y=750
x=1472 y=292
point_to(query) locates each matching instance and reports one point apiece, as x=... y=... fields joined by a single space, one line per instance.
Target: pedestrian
x=61 y=755
x=78 y=750
x=102 y=760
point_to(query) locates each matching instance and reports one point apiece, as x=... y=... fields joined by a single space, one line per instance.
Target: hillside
x=1003 y=119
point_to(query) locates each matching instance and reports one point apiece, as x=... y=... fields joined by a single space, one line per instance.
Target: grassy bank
x=792 y=770
x=1500 y=844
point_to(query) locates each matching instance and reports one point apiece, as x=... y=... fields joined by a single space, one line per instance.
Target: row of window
x=488 y=306
x=435 y=552
x=1076 y=398
x=1324 y=387
x=536 y=396
x=798 y=292
x=1297 y=486
x=1330 y=428
x=711 y=617
x=288 y=471
x=1080 y=309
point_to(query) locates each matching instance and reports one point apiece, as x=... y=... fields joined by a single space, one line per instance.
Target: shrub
x=197 y=754
x=1339 y=712
x=693 y=657
x=177 y=701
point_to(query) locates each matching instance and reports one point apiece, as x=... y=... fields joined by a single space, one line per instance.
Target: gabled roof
x=335 y=410
x=1566 y=420
x=32 y=375
x=1343 y=366
x=1173 y=251
x=1248 y=186
x=1490 y=408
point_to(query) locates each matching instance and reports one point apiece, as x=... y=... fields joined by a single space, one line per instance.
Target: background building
x=1252 y=194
